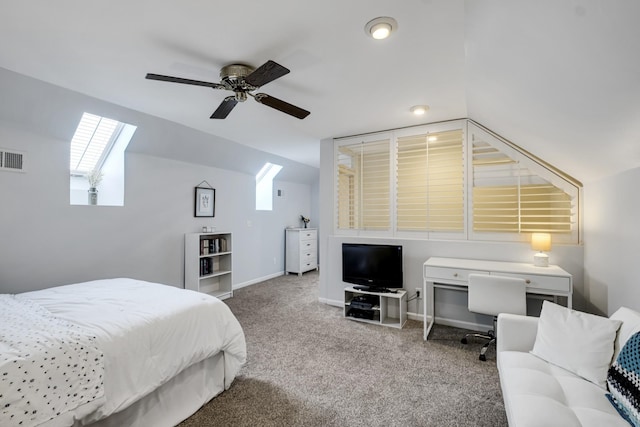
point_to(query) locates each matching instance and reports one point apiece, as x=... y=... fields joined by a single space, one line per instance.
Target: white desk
x=453 y=273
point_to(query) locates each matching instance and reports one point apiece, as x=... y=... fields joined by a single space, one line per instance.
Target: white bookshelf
x=208 y=263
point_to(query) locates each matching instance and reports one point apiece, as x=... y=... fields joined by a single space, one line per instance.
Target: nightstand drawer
x=308 y=235
x=307 y=245
x=309 y=265
x=307 y=256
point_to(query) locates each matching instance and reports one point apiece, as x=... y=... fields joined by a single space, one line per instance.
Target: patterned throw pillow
x=623 y=380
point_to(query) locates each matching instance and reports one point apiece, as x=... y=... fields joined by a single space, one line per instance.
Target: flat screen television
x=376 y=268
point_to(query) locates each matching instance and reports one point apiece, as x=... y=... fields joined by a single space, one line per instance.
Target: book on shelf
x=206 y=266
x=204 y=247
x=213 y=246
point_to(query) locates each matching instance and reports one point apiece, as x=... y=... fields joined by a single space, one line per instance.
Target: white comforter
x=147 y=332
x=48 y=366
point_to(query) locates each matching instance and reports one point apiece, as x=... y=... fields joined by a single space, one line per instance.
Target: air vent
x=11 y=160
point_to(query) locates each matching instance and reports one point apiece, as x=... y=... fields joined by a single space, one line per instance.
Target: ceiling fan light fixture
x=419 y=110
x=242 y=80
x=380 y=28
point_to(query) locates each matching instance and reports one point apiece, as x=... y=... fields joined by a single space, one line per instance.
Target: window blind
x=363 y=185
x=91 y=142
x=456 y=179
x=430 y=182
x=509 y=197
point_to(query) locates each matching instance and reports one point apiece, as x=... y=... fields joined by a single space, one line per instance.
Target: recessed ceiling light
x=419 y=110
x=380 y=28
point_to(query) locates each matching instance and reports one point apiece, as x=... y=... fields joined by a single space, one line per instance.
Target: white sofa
x=538 y=393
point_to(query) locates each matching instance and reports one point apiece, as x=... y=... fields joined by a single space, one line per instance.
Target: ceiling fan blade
x=267 y=72
x=224 y=108
x=185 y=81
x=280 y=105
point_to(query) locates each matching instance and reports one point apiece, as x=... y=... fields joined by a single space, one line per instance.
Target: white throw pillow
x=578 y=342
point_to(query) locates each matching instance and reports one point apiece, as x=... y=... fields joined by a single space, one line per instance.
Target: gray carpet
x=309 y=366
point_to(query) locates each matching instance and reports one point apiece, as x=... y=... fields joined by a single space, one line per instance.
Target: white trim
x=462 y=324
x=333 y=302
x=258 y=280
x=415 y=316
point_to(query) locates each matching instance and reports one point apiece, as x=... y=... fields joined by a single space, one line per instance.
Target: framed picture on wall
x=205 y=203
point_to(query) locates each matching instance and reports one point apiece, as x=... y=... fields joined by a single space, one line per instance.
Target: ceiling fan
x=243 y=80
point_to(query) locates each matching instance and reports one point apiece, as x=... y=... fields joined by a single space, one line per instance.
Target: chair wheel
x=463 y=340
x=483 y=357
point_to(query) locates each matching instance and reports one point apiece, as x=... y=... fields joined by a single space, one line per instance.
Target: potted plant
x=305 y=220
x=94 y=177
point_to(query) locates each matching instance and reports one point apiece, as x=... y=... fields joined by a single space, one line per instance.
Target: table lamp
x=541 y=242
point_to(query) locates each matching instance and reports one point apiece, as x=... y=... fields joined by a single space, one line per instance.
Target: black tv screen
x=376 y=267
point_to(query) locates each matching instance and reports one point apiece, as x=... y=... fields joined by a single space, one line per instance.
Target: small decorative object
x=205 y=201
x=94 y=177
x=541 y=242
x=305 y=220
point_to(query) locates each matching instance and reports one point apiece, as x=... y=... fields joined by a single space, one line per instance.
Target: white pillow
x=578 y=342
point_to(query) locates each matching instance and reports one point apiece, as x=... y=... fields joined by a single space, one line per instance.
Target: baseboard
x=258 y=280
x=452 y=322
x=335 y=303
x=415 y=316
x=462 y=324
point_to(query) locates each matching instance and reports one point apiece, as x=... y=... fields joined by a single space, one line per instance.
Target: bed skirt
x=176 y=400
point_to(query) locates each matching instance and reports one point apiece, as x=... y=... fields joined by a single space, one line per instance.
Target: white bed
x=153 y=354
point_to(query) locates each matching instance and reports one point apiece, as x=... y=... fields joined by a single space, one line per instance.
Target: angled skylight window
x=98 y=144
x=92 y=142
x=264 y=186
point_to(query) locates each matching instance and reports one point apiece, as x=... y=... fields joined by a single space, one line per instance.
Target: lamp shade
x=541 y=241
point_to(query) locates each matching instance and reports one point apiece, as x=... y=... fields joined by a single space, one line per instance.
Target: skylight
x=264 y=186
x=99 y=144
x=92 y=142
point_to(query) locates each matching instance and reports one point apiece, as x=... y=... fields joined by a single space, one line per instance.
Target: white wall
x=47 y=242
x=612 y=242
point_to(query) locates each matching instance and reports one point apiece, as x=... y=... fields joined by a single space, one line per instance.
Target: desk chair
x=493 y=295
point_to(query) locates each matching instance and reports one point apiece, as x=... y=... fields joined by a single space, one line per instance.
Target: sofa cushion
x=578 y=342
x=624 y=381
x=537 y=393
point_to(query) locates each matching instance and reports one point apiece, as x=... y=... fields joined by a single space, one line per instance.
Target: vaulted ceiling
x=559 y=78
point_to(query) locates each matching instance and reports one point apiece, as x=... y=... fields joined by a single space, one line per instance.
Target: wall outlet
x=418 y=293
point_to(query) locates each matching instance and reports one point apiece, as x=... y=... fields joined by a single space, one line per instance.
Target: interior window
x=512 y=193
x=430 y=182
x=363 y=185
x=96 y=161
x=453 y=180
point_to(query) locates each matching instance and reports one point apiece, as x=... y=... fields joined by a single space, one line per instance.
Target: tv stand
x=379 y=308
x=375 y=290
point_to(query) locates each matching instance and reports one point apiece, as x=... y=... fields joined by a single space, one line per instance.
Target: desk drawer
x=450 y=274
x=552 y=283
